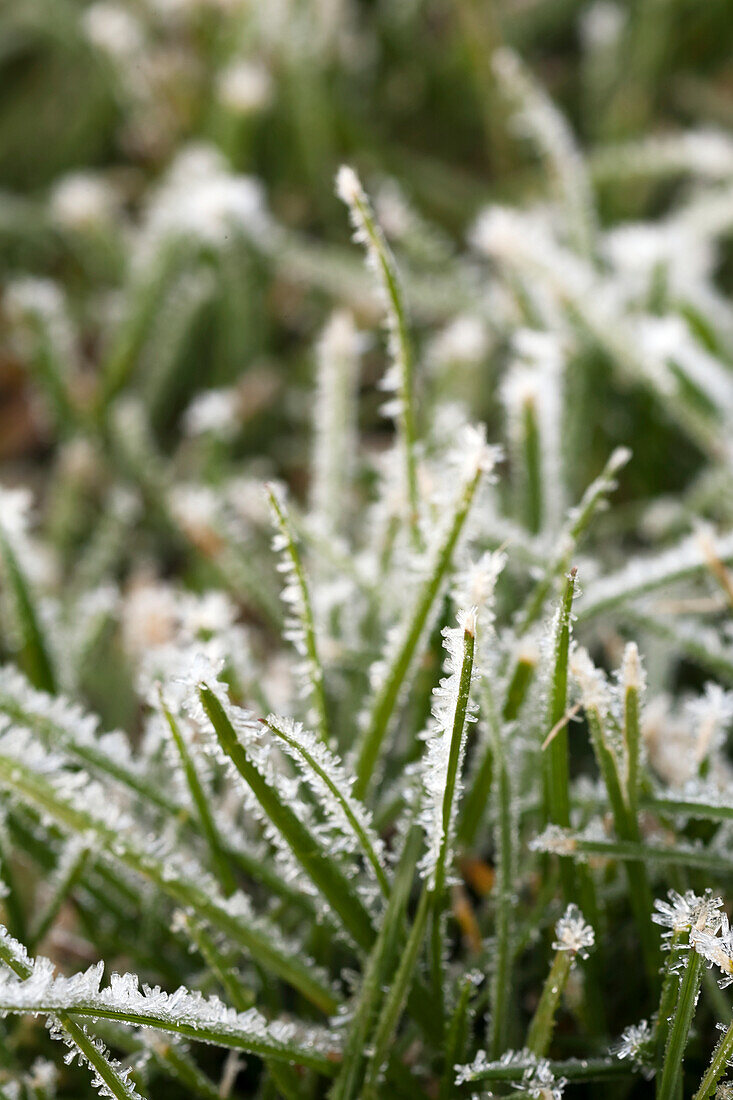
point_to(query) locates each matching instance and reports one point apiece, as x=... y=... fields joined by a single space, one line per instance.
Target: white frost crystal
x=573 y=933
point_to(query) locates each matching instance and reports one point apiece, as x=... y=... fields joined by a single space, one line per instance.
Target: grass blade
x=413 y=627
x=300 y=627
x=317 y=864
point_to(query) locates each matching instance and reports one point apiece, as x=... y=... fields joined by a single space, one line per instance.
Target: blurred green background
x=287 y=90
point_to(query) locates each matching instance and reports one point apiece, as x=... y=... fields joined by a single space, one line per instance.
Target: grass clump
x=380 y=751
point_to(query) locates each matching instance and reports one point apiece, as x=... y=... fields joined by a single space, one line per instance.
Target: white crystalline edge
x=333 y=768
x=116 y=833
x=69 y=724
x=470 y=455
x=293 y=595
x=57 y=1031
x=434 y=767
x=44 y=991
x=17 y=952
x=252 y=736
x=592 y=684
x=645 y=573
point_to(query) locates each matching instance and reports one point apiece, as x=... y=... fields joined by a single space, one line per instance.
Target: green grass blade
x=574 y=1070
x=457 y=689
x=317 y=864
x=376 y=974
x=300 y=628
x=336 y=784
x=399 y=378
x=187 y=890
x=557 y=798
x=577 y=523
x=680 y=1027
x=209 y=828
x=542 y=1025
x=180 y=1013
x=719 y=1064
x=34 y=653
x=413 y=628
x=16 y=958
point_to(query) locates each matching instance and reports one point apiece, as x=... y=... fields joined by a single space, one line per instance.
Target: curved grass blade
x=317 y=864
x=182 y=1013
x=336 y=786
x=300 y=627
x=106 y=1073
x=573 y=1070
x=209 y=829
x=685 y=560
x=414 y=624
x=719 y=1063
x=579 y=518
x=566 y=843
x=442 y=781
x=189 y=888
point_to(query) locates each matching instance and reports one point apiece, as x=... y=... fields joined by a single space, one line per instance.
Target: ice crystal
x=635 y=1044
x=46 y=992
x=573 y=933
x=201 y=198
x=714 y=941
x=539 y=1082
x=439 y=737
x=687 y=912
x=555 y=839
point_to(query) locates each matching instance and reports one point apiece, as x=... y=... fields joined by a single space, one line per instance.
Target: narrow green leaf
x=567 y=541
x=540 y=1031
x=557 y=806
x=34 y=653
x=334 y=780
x=377 y=974
x=300 y=628
x=219 y=858
x=462 y=679
x=181 y=1013
x=16 y=958
x=573 y=1070
x=191 y=892
x=399 y=378
x=413 y=629
x=456 y=1036
x=566 y=843
x=680 y=1027
x=317 y=863
x=719 y=1063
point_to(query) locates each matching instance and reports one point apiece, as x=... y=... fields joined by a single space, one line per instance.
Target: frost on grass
x=205 y=1018
x=439 y=739
x=573 y=933
x=316 y=804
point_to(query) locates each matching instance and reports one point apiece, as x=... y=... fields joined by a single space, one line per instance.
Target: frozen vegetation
x=366 y=551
